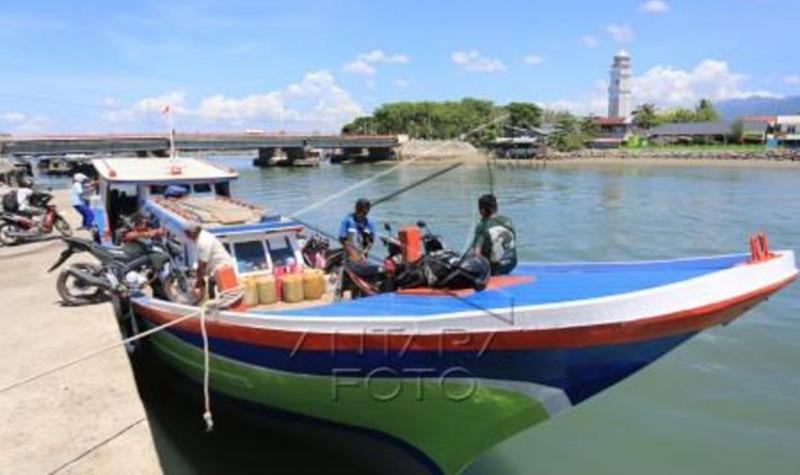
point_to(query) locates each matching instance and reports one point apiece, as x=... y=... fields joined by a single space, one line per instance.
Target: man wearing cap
x=357 y=232
x=211 y=254
x=78 y=202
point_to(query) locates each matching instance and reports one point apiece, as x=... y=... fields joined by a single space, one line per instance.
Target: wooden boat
x=446 y=376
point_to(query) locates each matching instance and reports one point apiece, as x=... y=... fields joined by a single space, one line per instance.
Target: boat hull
x=443 y=407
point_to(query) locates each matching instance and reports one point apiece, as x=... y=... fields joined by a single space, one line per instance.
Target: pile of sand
x=440 y=149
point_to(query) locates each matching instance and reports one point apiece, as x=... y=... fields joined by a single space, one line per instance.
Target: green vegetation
x=446 y=120
x=454 y=119
x=647 y=116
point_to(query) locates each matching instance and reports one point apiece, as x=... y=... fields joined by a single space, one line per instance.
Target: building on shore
x=691 y=133
x=785 y=132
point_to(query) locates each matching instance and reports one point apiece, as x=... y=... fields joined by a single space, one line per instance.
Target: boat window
x=280 y=250
x=122 y=200
x=202 y=188
x=222 y=188
x=250 y=256
x=157 y=189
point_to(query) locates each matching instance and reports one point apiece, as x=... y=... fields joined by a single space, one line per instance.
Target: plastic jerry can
x=411 y=239
x=313 y=284
x=250 y=292
x=292 y=288
x=267 y=291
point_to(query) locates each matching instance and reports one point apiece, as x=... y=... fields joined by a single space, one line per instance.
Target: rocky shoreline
x=633 y=154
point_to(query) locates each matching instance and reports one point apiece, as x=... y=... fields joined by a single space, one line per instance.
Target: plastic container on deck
x=250 y=292
x=292 y=288
x=267 y=290
x=313 y=284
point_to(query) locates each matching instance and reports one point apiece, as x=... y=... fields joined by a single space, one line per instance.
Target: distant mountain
x=758 y=105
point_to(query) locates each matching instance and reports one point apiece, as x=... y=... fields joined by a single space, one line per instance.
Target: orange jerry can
x=411 y=239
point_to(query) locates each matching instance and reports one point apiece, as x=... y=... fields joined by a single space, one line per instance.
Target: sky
x=112 y=66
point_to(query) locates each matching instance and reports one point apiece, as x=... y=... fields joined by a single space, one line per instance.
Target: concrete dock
x=83 y=419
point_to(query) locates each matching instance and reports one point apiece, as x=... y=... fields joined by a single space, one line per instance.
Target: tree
x=705 y=112
x=737 y=131
x=645 y=116
x=567 y=135
x=361 y=125
x=589 y=127
x=523 y=114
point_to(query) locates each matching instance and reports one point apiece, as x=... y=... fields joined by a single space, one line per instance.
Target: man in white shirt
x=211 y=254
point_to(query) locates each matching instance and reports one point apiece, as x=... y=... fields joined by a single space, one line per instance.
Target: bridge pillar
x=353 y=153
x=381 y=153
x=265 y=157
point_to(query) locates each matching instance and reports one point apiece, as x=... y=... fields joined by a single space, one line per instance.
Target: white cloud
x=360 y=67
x=364 y=64
x=711 y=78
x=18 y=122
x=589 y=41
x=793 y=79
x=473 y=61
x=400 y=82
x=654 y=6
x=533 y=59
x=379 y=56
x=620 y=33
x=316 y=100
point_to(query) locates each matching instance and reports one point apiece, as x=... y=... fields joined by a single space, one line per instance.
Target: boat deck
x=551 y=283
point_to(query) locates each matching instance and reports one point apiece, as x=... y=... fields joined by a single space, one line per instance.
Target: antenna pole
x=172 y=153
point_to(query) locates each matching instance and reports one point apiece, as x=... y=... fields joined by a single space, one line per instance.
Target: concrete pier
x=83 y=419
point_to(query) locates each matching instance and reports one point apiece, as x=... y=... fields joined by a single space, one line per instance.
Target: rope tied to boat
x=212 y=307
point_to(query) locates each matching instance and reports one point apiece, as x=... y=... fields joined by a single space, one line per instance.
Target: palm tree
x=645 y=116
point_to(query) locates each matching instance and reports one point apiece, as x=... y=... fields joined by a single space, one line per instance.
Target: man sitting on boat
x=495 y=238
x=211 y=255
x=357 y=232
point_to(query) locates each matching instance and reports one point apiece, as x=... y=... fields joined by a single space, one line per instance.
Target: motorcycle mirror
x=421 y=224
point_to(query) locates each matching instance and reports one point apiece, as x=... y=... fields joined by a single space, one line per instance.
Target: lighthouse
x=619 y=90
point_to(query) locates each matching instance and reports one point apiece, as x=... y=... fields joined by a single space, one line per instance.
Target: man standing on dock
x=79 y=202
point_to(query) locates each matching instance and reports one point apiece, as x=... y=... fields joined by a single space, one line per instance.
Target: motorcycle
x=16 y=228
x=121 y=272
x=437 y=267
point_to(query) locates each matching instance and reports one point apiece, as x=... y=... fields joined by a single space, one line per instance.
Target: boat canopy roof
x=161 y=170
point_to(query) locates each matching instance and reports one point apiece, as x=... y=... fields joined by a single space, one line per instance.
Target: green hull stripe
x=450 y=422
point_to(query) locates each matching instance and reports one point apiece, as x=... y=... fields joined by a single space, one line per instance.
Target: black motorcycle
x=121 y=271
x=438 y=267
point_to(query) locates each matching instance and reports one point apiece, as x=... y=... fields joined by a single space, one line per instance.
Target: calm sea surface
x=727 y=402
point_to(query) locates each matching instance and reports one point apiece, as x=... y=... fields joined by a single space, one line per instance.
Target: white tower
x=619 y=91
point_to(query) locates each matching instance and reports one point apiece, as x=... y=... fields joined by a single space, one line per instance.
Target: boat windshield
x=250 y=256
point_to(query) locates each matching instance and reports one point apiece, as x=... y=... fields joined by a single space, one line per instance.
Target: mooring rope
x=223 y=300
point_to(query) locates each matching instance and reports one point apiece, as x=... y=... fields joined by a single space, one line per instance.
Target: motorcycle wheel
x=62 y=226
x=74 y=291
x=180 y=290
x=5 y=238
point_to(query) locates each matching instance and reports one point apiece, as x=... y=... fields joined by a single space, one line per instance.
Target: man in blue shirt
x=79 y=201
x=357 y=232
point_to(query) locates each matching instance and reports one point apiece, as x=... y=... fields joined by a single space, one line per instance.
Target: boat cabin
x=258 y=242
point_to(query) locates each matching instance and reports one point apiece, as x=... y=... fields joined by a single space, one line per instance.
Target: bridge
x=268 y=145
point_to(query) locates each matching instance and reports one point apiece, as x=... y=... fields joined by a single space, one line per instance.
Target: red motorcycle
x=16 y=228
